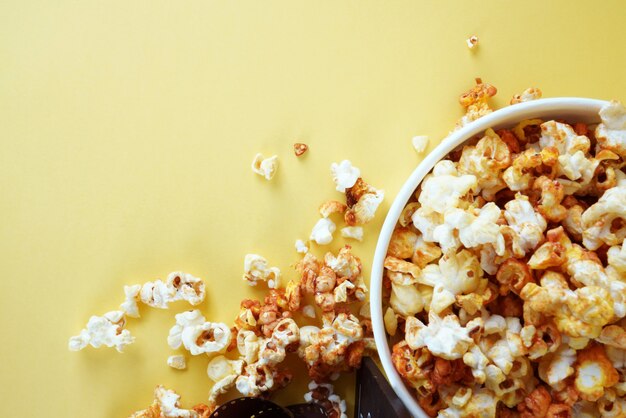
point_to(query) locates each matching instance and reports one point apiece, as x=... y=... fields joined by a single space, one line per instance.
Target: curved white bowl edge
x=579 y=109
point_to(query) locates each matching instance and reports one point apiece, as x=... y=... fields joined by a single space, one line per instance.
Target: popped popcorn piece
x=613 y=336
x=129 y=306
x=531 y=93
x=475 y=101
x=445 y=338
x=594 y=373
x=472 y=228
x=323 y=395
x=420 y=143
x=183 y=320
x=308 y=311
x=167 y=405
x=197 y=335
x=352 y=232
x=220 y=367
x=248 y=345
x=513 y=275
x=519 y=175
x=391 y=322
x=605 y=221
x=322 y=232
x=178 y=286
x=406 y=300
x=556 y=367
x=301 y=247
x=106 y=330
x=443 y=189
x=562 y=137
x=527 y=224
x=255 y=269
x=472 y=41
x=332 y=206
x=363 y=201
x=177 y=362
x=300 y=148
x=265 y=167
x=611 y=133
x=344 y=174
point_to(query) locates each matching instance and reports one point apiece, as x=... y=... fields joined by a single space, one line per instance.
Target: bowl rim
x=577 y=106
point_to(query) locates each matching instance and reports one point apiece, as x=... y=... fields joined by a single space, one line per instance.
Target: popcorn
x=414 y=366
x=255 y=269
x=613 y=336
x=265 y=167
x=178 y=286
x=322 y=232
x=552 y=194
x=594 y=373
x=130 y=307
x=220 y=367
x=611 y=133
x=300 y=148
x=471 y=228
x=531 y=93
x=352 y=232
x=248 y=345
x=476 y=102
x=519 y=175
x=472 y=42
x=331 y=206
x=600 y=219
x=177 y=362
x=363 y=201
x=406 y=300
x=420 y=143
x=345 y=175
x=444 y=188
x=106 y=330
x=167 y=405
x=323 y=394
x=308 y=311
x=445 y=338
x=513 y=275
x=301 y=247
x=183 y=320
x=555 y=368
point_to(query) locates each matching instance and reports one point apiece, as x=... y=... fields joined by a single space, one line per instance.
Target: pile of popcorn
x=248 y=357
x=505 y=278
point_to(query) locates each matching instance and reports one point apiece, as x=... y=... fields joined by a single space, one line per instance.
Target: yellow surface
x=128 y=128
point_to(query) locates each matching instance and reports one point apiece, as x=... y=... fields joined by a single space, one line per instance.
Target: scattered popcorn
x=255 y=269
x=300 y=148
x=594 y=373
x=265 y=167
x=472 y=42
x=130 y=307
x=475 y=101
x=322 y=232
x=531 y=93
x=611 y=133
x=308 y=311
x=177 y=362
x=167 y=405
x=332 y=206
x=301 y=247
x=420 y=143
x=363 y=201
x=106 y=330
x=345 y=175
x=197 y=335
x=352 y=232
x=323 y=394
x=178 y=286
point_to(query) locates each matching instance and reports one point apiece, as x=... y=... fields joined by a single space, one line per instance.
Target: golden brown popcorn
x=519 y=176
x=611 y=133
x=528 y=131
x=300 y=148
x=594 y=373
x=363 y=201
x=540 y=340
x=402 y=243
x=332 y=206
x=614 y=336
x=551 y=196
x=415 y=366
x=513 y=275
x=407 y=213
x=549 y=254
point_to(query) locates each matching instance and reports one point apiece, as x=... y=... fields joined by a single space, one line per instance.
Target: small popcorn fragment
x=301 y=247
x=130 y=307
x=178 y=286
x=420 y=143
x=300 y=148
x=167 y=405
x=255 y=269
x=323 y=394
x=531 y=93
x=344 y=175
x=352 y=232
x=472 y=42
x=331 y=206
x=308 y=311
x=177 y=362
x=322 y=232
x=265 y=167
x=106 y=330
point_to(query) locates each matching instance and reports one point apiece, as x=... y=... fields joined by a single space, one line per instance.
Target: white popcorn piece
x=531 y=93
x=255 y=269
x=420 y=143
x=308 y=311
x=178 y=286
x=611 y=133
x=183 y=320
x=344 y=174
x=167 y=404
x=406 y=300
x=445 y=338
x=301 y=247
x=106 y=330
x=599 y=219
x=525 y=222
x=341 y=291
x=472 y=42
x=248 y=345
x=562 y=137
x=352 y=232
x=220 y=367
x=444 y=188
x=210 y=337
x=471 y=228
x=555 y=368
x=265 y=167
x=129 y=306
x=178 y=362
x=322 y=232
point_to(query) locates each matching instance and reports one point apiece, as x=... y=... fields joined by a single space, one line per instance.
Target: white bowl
x=569 y=108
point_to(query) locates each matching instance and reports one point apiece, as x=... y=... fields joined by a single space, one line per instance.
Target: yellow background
x=127 y=129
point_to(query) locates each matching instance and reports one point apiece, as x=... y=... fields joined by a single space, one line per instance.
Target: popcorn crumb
x=352 y=232
x=308 y=311
x=265 y=167
x=531 y=93
x=322 y=232
x=345 y=175
x=472 y=41
x=301 y=247
x=255 y=269
x=177 y=362
x=420 y=143
x=300 y=148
